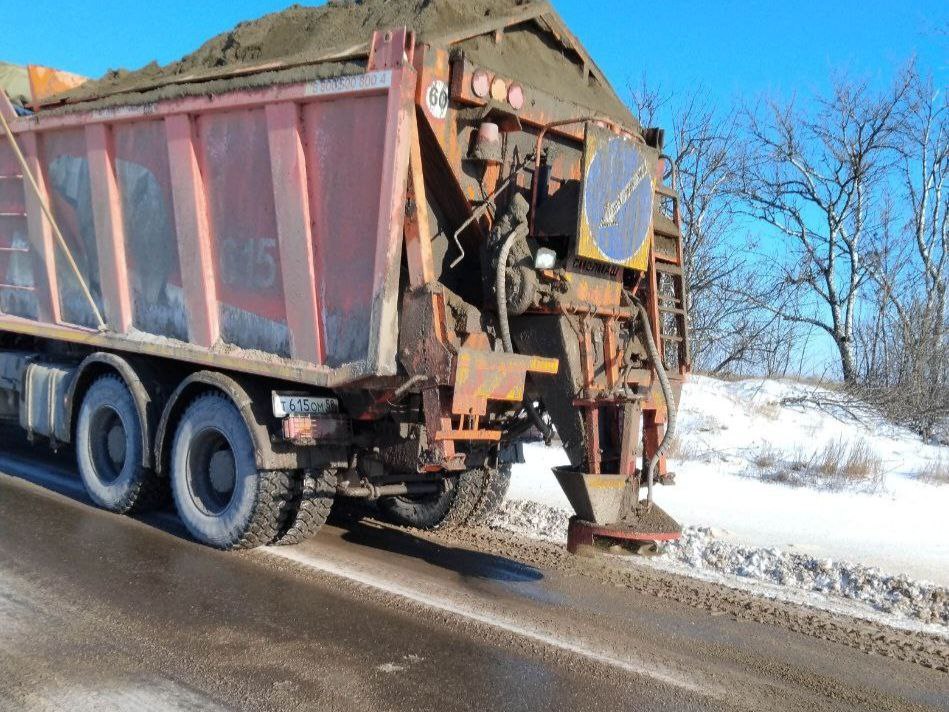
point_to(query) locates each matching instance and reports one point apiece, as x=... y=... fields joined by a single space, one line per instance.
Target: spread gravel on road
x=700 y=552
x=863 y=632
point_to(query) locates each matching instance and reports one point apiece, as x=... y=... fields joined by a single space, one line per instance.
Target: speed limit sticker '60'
x=436 y=98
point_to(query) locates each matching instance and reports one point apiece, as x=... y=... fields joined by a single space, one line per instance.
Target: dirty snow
x=754 y=515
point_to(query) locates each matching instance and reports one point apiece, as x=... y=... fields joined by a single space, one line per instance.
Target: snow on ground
x=762 y=504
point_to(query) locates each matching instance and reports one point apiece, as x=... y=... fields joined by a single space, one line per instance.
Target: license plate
x=286 y=404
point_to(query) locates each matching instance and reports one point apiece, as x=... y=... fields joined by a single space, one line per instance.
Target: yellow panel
x=481 y=376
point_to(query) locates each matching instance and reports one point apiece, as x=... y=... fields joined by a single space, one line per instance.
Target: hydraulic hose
x=500 y=290
x=666 y=393
x=500 y=284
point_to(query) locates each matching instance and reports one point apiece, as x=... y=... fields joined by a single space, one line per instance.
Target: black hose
x=500 y=289
x=500 y=285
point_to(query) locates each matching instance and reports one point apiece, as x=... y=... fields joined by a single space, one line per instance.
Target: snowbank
x=879 y=538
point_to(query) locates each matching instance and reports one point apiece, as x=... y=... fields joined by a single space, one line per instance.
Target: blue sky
x=731 y=48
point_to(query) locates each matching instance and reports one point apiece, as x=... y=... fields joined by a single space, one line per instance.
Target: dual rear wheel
x=221 y=496
x=469 y=500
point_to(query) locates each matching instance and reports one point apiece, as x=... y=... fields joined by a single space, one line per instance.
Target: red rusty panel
x=236 y=167
x=11 y=185
x=41 y=233
x=194 y=236
x=110 y=232
x=295 y=235
x=345 y=142
x=151 y=241
x=269 y=219
x=66 y=169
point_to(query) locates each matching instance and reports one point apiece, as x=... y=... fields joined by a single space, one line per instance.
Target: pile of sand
x=299 y=34
x=304 y=43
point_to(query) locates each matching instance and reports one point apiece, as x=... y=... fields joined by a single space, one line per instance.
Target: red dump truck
x=362 y=271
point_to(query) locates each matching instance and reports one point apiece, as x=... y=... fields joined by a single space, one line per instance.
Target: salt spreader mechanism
x=311 y=262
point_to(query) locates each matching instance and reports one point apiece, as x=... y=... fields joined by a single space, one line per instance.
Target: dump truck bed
x=258 y=230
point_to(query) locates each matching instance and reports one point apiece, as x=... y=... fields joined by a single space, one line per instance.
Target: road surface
x=100 y=612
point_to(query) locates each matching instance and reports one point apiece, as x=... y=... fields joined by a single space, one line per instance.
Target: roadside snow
x=899 y=594
x=851 y=589
x=755 y=514
x=734 y=438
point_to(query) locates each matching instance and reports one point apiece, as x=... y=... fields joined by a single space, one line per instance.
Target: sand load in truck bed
x=303 y=43
x=258 y=231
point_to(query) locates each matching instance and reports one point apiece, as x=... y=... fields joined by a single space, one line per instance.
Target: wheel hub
x=115 y=444
x=222 y=472
x=107 y=444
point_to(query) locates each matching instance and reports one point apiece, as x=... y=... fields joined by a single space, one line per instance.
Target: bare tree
x=727 y=334
x=907 y=350
x=815 y=177
x=924 y=153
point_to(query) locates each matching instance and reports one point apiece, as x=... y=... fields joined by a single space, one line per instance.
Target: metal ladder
x=667 y=304
x=667 y=285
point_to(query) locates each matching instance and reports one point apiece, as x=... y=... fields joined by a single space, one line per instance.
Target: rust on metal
x=313 y=429
x=582 y=536
x=481 y=376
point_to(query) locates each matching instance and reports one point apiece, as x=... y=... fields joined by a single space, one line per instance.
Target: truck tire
x=221 y=497
x=309 y=508
x=109 y=450
x=469 y=499
x=495 y=490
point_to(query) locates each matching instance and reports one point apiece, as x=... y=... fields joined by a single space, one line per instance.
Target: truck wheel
x=109 y=449
x=222 y=499
x=428 y=511
x=309 y=507
x=498 y=482
x=458 y=506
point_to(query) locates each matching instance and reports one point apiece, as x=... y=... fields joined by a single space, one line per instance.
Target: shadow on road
x=361 y=530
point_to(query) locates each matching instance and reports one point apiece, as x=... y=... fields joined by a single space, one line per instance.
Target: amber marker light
x=499 y=89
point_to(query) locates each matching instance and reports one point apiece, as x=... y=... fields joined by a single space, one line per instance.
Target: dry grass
x=936 y=471
x=837 y=464
x=769 y=409
x=794 y=470
x=828 y=461
x=767 y=457
x=815 y=381
x=861 y=464
x=684 y=450
x=844 y=461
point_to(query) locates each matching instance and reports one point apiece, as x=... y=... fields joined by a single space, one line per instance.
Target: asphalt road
x=101 y=612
